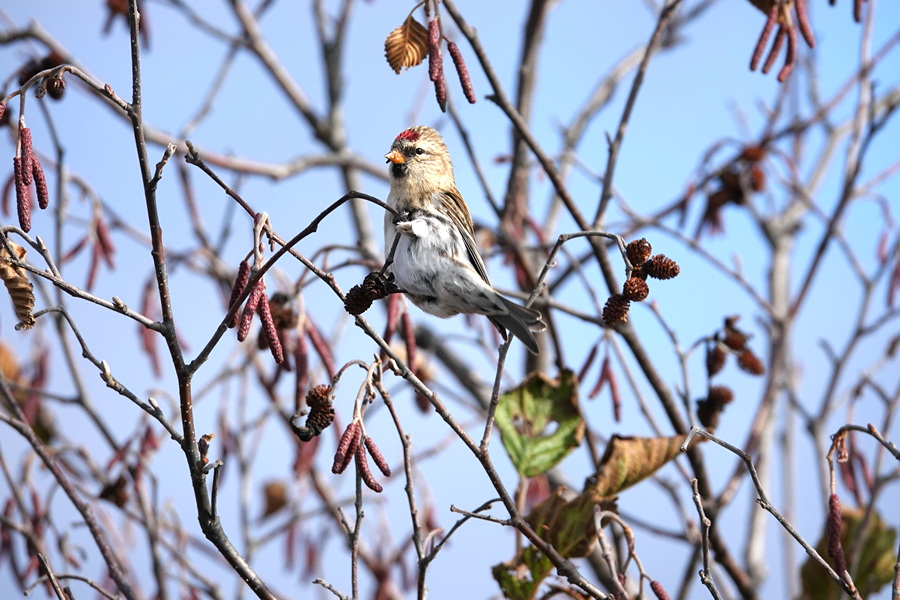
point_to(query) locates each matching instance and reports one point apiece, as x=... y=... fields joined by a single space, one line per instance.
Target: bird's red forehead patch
x=410 y=135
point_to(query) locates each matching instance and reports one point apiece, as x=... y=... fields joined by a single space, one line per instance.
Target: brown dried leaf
x=275 y=497
x=16 y=280
x=628 y=460
x=406 y=46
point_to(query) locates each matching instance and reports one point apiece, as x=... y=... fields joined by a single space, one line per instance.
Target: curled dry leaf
x=628 y=460
x=406 y=46
x=16 y=281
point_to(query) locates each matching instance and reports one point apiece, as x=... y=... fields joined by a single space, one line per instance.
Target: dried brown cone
x=360 y=297
x=750 y=363
x=638 y=251
x=709 y=409
x=616 y=310
x=56 y=87
x=321 y=412
x=720 y=395
x=715 y=359
x=346 y=449
x=662 y=267
x=735 y=339
x=708 y=413
x=17 y=284
x=406 y=46
x=635 y=289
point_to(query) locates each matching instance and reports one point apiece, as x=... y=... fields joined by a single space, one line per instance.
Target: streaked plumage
x=437 y=263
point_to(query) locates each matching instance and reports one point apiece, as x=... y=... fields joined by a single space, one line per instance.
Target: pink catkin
x=23 y=195
x=790 y=57
x=40 y=183
x=378 y=457
x=247 y=316
x=435 y=60
x=362 y=464
x=776 y=48
x=764 y=37
x=240 y=282
x=464 y=80
x=26 y=151
x=658 y=590
x=833 y=530
x=409 y=338
x=269 y=330
x=321 y=347
x=346 y=449
x=803 y=23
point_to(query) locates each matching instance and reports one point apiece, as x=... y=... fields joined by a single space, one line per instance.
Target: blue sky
x=693 y=95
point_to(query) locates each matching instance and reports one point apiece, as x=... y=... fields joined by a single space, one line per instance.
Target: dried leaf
x=406 y=46
x=16 y=280
x=275 y=497
x=873 y=566
x=570 y=526
x=628 y=460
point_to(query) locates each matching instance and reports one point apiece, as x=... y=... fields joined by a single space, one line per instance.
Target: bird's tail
x=521 y=322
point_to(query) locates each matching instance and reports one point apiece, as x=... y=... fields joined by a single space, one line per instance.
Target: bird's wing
x=455 y=208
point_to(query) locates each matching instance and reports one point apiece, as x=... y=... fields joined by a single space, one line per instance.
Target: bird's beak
x=396 y=157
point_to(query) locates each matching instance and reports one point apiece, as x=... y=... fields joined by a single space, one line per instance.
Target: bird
x=436 y=262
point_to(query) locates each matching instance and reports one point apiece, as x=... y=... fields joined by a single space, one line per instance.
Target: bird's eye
x=420 y=151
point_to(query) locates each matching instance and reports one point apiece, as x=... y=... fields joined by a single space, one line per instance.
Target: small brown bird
x=436 y=262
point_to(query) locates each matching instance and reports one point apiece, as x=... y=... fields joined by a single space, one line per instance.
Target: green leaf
x=525 y=416
x=521 y=578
